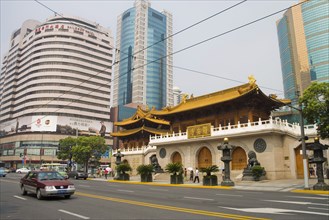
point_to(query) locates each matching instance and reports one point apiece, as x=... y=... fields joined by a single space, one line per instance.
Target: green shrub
x=210 y=169
x=174 y=168
x=257 y=171
x=145 y=169
x=123 y=168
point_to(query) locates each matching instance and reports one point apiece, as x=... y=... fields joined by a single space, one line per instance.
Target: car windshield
x=50 y=176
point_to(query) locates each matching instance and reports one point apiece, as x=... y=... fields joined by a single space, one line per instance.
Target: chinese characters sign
x=197 y=131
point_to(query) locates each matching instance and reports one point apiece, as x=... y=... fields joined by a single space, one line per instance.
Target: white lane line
x=198 y=198
x=74 y=214
x=122 y=190
x=165 y=190
x=295 y=202
x=84 y=186
x=318 y=208
x=229 y=195
x=18 y=197
x=274 y=211
x=308 y=197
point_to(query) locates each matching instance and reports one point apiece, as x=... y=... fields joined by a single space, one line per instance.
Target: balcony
x=258 y=127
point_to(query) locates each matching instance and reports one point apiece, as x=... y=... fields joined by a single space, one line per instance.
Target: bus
x=61 y=168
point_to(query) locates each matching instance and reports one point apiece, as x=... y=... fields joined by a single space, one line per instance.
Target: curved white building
x=56 y=77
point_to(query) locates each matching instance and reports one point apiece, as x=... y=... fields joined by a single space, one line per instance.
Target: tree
x=65 y=149
x=87 y=148
x=315 y=102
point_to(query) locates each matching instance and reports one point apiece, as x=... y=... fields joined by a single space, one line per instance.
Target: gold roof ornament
x=252 y=80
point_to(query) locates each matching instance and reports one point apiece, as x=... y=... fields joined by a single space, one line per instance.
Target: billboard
x=44 y=123
x=57 y=124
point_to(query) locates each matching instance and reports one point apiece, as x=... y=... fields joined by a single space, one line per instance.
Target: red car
x=46 y=183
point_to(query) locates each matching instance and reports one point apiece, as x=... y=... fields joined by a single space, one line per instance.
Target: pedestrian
x=105 y=173
x=185 y=174
x=191 y=175
x=196 y=175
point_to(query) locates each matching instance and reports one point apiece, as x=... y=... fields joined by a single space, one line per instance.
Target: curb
x=310 y=191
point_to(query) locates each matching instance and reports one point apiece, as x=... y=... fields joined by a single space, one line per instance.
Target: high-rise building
x=55 y=80
x=316 y=26
x=303 y=34
x=143 y=73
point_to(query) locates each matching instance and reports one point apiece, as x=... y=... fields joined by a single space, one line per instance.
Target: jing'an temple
x=191 y=131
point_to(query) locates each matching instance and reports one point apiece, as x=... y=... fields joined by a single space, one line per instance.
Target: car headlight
x=49 y=187
x=71 y=187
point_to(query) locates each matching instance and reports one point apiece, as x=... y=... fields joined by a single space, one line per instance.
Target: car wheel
x=24 y=192
x=39 y=196
x=19 y=172
x=67 y=196
x=84 y=178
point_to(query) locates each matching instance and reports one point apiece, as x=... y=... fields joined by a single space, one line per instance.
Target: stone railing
x=277 y=125
x=136 y=150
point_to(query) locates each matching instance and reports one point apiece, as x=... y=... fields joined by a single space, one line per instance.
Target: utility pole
x=302 y=139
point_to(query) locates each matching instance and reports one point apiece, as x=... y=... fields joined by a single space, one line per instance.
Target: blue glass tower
x=143 y=74
x=316 y=25
x=303 y=34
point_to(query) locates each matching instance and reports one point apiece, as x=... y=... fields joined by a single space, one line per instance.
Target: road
x=111 y=200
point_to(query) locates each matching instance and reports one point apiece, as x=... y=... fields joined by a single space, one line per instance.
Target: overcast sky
x=231 y=57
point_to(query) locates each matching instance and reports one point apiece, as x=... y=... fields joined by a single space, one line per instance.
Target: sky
x=214 y=65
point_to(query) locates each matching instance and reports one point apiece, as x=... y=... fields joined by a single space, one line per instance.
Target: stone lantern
x=318 y=159
x=226 y=158
x=118 y=156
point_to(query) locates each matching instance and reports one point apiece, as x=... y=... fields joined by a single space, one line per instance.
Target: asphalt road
x=109 y=200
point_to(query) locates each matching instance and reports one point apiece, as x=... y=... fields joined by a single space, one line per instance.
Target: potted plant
x=176 y=171
x=146 y=172
x=257 y=172
x=209 y=179
x=121 y=171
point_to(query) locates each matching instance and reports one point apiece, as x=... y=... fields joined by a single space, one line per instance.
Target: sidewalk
x=284 y=185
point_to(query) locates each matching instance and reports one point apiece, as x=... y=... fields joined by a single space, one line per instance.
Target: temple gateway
x=191 y=131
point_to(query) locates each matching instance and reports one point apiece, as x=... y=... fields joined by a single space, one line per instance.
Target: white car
x=23 y=170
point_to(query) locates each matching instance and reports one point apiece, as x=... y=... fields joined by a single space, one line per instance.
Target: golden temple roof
x=124 y=133
x=141 y=115
x=218 y=97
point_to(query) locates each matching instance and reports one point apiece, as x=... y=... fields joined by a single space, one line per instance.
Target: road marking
x=8 y=181
x=286 y=189
x=185 y=197
x=308 y=197
x=171 y=208
x=166 y=190
x=122 y=190
x=84 y=185
x=295 y=202
x=318 y=208
x=18 y=197
x=274 y=211
x=74 y=214
x=229 y=195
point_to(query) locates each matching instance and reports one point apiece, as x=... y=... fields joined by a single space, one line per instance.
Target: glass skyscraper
x=303 y=34
x=143 y=72
x=316 y=25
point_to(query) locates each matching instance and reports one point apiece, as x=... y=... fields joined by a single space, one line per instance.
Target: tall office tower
x=316 y=25
x=143 y=73
x=56 y=77
x=303 y=34
x=177 y=95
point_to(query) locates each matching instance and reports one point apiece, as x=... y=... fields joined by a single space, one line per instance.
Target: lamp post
x=305 y=158
x=226 y=158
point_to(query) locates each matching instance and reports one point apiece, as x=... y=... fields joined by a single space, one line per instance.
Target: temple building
x=191 y=131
